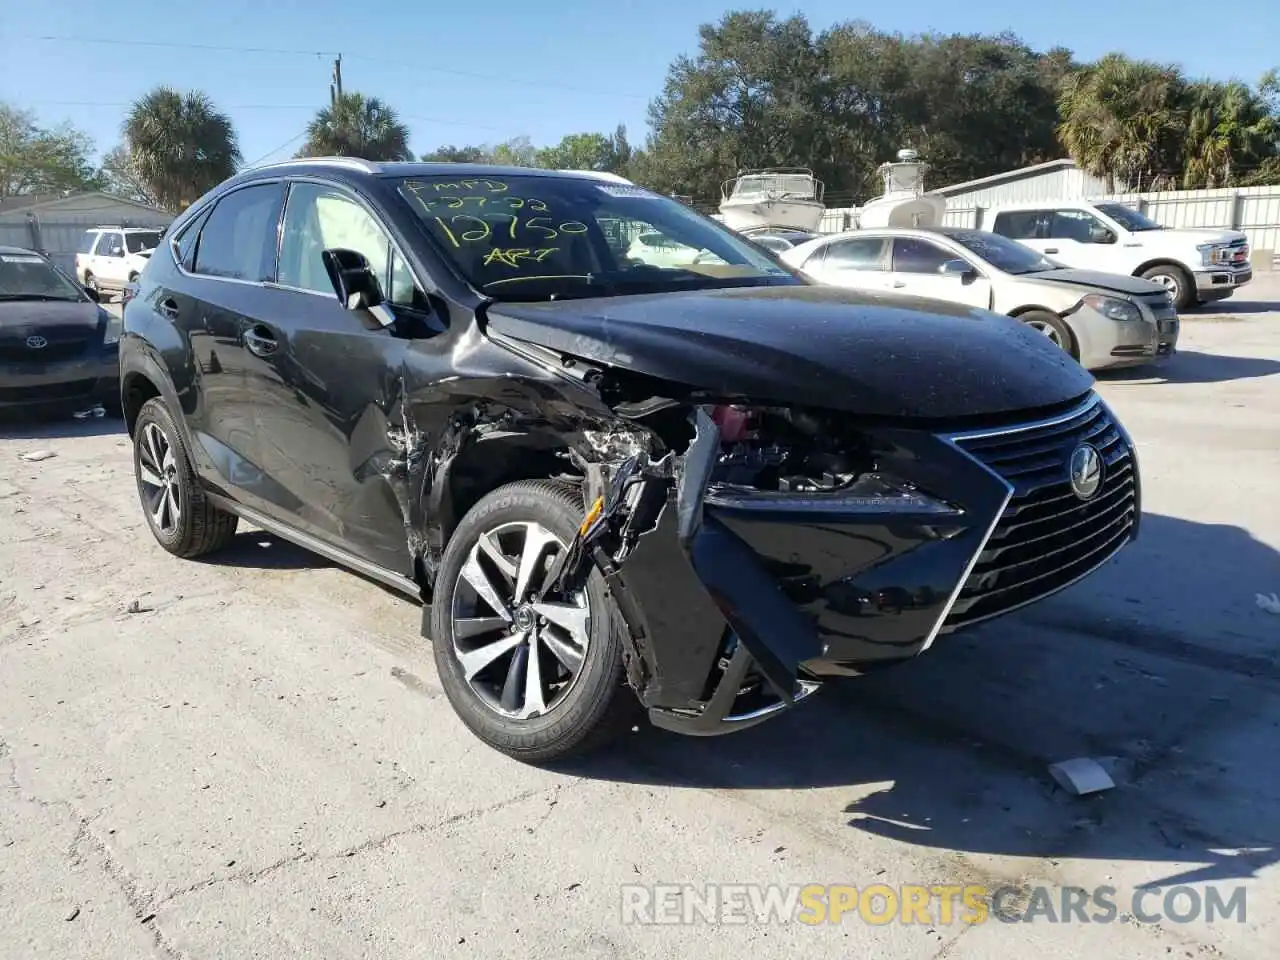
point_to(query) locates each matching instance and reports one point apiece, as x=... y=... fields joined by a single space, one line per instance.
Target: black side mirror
x=355 y=284
x=1101 y=235
x=958 y=268
x=92 y=294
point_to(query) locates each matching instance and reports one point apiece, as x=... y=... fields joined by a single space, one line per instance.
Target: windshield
x=25 y=276
x=538 y=238
x=137 y=242
x=1003 y=253
x=1128 y=218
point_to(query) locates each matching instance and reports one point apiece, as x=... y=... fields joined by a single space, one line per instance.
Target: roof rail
x=351 y=163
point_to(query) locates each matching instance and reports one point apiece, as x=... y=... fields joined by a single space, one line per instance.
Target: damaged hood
x=812 y=345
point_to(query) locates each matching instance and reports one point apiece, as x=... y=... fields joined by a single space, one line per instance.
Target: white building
x=1055 y=180
x=54 y=225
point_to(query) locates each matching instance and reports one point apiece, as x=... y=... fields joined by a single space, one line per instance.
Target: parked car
x=1194 y=265
x=58 y=347
x=777 y=239
x=110 y=258
x=1101 y=319
x=705 y=489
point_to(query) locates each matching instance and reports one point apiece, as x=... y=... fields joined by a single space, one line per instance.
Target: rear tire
x=1053 y=327
x=91 y=282
x=180 y=516
x=1174 y=279
x=577 y=699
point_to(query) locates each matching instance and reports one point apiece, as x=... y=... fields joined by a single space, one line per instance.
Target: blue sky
x=485 y=71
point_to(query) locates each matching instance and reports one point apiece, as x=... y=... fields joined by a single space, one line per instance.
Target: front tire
x=1174 y=279
x=539 y=681
x=1053 y=327
x=180 y=517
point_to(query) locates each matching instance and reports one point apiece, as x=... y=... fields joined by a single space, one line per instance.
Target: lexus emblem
x=37 y=343
x=1085 y=471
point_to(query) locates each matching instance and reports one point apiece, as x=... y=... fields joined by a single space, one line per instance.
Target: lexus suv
x=702 y=490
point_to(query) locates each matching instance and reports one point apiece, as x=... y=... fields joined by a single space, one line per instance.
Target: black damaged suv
x=677 y=468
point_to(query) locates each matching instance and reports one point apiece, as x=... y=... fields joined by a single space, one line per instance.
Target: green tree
x=1125 y=119
x=35 y=159
x=357 y=126
x=180 y=145
x=1229 y=127
x=516 y=152
x=120 y=175
x=589 y=151
x=452 y=154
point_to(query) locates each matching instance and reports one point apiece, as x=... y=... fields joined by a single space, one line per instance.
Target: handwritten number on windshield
x=465 y=228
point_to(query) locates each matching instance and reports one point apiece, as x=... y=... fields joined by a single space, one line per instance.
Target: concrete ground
x=250 y=757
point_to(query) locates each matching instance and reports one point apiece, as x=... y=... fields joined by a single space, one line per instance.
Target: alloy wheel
x=1048 y=329
x=158 y=478
x=1168 y=281
x=520 y=655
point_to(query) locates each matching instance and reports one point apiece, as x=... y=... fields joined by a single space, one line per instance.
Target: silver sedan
x=1103 y=320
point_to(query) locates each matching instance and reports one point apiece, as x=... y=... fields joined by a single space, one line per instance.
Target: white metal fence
x=1255 y=210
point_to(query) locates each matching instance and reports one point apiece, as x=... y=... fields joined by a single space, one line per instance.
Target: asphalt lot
x=258 y=762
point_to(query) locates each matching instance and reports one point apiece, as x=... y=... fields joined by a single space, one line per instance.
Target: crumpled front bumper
x=738 y=610
x=741 y=609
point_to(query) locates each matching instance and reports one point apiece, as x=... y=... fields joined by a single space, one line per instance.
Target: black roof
x=19 y=250
x=357 y=166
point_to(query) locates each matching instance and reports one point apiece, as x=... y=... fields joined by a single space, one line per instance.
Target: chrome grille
x=1047 y=537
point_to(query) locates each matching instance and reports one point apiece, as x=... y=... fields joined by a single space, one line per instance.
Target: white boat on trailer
x=778 y=197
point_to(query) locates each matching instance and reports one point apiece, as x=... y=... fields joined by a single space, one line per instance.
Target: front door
x=916 y=269
x=108 y=265
x=331 y=428
x=1074 y=236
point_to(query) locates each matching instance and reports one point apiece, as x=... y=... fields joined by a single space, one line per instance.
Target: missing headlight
x=799 y=460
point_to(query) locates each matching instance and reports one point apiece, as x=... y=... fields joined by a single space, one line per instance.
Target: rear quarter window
x=87 y=241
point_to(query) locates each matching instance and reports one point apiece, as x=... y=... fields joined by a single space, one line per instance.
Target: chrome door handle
x=1051 y=250
x=260 y=341
x=899 y=283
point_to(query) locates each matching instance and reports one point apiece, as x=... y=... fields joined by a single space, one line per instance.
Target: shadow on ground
x=950 y=751
x=1188 y=366
x=257 y=549
x=13 y=427
x=1231 y=307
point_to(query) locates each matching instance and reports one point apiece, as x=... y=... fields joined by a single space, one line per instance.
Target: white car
x=1194 y=265
x=1100 y=319
x=111 y=258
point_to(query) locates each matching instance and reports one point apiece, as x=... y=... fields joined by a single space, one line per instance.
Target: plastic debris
x=1271 y=604
x=35 y=456
x=1081 y=775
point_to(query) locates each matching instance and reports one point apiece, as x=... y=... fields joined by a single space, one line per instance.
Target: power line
x=296 y=137
x=215 y=48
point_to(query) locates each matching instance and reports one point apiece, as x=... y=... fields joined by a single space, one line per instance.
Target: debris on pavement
x=135 y=606
x=1271 y=604
x=1081 y=775
x=35 y=456
x=73 y=914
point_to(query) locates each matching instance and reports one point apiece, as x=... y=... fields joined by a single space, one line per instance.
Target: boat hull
x=796 y=214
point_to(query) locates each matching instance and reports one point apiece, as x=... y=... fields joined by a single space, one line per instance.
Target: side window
x=238 y=239
x=860 y=253
x=913 y=255
x=319 y=218
x=87 y=241
x=1018 y=225
x=185 y=242
x=111 y=244
x=404 y=291
x=1073 y=225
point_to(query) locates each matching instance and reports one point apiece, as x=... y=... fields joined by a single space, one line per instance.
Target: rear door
x=916 y=270
x=214 y=297
x=859 y=263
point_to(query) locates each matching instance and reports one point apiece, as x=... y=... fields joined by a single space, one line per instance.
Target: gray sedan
x=1103 y=320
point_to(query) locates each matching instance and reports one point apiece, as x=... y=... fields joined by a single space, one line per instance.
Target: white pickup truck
x=1194 y=265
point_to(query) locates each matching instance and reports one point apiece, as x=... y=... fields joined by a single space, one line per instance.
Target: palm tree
x=180 y=145
x=1230 y=125
x=357 y=126
x=1123 y=117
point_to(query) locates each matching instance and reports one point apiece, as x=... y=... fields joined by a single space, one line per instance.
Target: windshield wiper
x=37 y=296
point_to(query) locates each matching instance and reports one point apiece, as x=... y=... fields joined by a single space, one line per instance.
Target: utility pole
x=335 y=88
